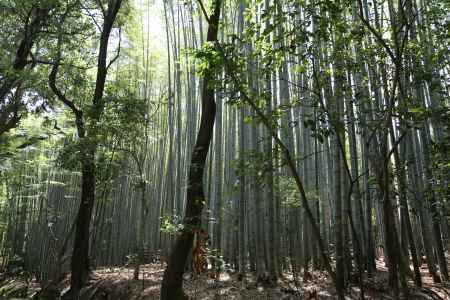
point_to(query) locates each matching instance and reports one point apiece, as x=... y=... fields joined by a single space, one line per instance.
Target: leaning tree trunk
x=172 y=285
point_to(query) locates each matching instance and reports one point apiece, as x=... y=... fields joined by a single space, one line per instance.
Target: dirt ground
x=117 y=284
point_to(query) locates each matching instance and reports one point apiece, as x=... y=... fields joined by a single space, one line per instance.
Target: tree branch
x=61 y=96
x=35 y=61
x=52 y=83
x=100 y=5
x=375 y=32
x=118 y=50
x=93 y=17
x=205 y=13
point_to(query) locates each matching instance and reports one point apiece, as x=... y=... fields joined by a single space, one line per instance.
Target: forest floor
x=117 y=284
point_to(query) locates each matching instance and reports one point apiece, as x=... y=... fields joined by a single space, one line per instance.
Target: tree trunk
x=171 y=288
x=80 y=257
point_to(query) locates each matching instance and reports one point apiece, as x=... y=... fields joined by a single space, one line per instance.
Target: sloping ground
x=117 y=284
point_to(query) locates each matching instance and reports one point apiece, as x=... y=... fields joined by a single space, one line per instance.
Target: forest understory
x=253 y=137
x=118 y=283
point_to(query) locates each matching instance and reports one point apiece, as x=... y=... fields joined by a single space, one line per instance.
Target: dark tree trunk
x=80 y=257
x=172 y=285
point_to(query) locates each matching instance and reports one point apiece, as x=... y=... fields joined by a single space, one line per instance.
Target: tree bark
x=80 y=256
x=171 y=288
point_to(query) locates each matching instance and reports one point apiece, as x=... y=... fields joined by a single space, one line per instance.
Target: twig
x=93 y=17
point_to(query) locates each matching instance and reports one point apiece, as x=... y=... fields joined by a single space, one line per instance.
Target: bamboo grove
x=329 y=148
